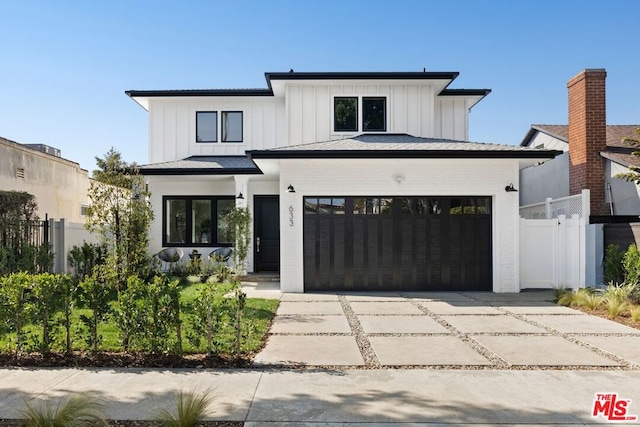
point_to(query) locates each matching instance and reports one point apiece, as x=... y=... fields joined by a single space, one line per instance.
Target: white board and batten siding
x=411 y=109
x=172 y=126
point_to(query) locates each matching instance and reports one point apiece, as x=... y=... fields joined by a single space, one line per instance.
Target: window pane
x=324 y=206
x=386 y=206
x=338 y=206
x=310 y=205
x=232 y=126
x=435 y=207
x=408 y=206
x=455 y=207
x=224 y=231
x=422 y=206
x=373 y=206
x=373 y=114
x=346 y=114
x=206 y=126
x=358 y=206
x=200 y=221
x=176 y=221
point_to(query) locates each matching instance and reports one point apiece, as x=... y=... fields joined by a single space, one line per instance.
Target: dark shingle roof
x=615 y=133
x=401 y=145
x=203 y=165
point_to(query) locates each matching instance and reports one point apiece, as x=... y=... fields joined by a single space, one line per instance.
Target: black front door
x=266 y=227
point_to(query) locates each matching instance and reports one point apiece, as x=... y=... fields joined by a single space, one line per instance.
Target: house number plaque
x=291 y=216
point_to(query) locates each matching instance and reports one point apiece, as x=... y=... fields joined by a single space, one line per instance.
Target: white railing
x=552 y=208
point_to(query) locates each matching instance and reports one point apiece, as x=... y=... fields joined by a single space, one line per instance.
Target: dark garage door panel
x=399 y=250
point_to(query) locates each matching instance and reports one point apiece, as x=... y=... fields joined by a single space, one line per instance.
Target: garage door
x=397 y=243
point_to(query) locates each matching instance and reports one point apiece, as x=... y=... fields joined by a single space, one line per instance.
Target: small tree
x=45 y=290
x=95 y=296
x=120 y=212
x=239 y=220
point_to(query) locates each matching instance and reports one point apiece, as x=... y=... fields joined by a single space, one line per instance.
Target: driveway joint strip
x=364 y=345
x=497 y=361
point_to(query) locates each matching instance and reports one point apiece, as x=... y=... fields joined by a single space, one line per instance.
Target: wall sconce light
x=240 y=196
x=510 y=189
x=290 y=189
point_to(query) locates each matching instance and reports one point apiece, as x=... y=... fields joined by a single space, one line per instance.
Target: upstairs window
x=207 y=126
x=374 y=116
x=366 y=114
x=232 y=126
x=345 y=114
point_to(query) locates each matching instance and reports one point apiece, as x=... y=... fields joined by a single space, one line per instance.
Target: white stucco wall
x=626 y=195
x=375 y=177
x=59 y=185
x=549 y=179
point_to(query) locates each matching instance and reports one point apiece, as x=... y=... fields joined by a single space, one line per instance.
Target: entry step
x=260 y=277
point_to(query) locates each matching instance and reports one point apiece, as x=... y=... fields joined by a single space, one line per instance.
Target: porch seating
x=220 y=255
x=170 y=256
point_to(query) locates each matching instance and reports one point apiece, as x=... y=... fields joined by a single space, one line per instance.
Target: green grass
x=257 y=318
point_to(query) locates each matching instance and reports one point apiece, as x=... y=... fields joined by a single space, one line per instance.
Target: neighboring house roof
x=617 y=150
x=401 y=146
x=203 y=165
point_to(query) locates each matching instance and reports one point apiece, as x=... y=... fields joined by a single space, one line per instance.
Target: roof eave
x=191 y=171
x=402 y=154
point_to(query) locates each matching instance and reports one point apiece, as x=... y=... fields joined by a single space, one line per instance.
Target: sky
x=65 y=65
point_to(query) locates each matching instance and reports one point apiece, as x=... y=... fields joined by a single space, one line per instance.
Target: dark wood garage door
x=397 y=243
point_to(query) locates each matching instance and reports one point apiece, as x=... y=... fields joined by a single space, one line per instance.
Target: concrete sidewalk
x=340 y=397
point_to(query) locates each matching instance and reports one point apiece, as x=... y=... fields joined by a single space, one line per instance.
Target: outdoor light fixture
x=510 y=189
x=240 y=196
x=290 y=189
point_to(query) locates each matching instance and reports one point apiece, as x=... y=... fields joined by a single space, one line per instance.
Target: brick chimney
x=588 y=136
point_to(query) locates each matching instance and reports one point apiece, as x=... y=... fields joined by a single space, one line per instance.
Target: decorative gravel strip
x=339 y=369
x=311 y=334
x=366 y=350
x=498 y=362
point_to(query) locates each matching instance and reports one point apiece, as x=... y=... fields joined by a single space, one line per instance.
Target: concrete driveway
x=444 y=330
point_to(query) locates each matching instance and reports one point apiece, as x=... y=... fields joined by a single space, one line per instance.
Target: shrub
x=13 y=292
x=77 y=411
x=95 y=294
x=614 y=306
x=613 y=269
x=45 y=289
x=590 y=300
x=191 y=408
x=631 y=265
x=84 y=258
x=635 y=313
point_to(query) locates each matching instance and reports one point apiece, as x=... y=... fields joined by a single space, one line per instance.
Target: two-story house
x=356 y=181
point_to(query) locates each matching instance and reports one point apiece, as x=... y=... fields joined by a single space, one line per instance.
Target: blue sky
x=66 y=64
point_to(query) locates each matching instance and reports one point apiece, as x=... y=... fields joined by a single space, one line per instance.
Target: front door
x=266 y=241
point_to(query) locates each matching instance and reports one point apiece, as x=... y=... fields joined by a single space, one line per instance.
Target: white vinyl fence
x=552 y=252
x=558 y=246
x=63 y=236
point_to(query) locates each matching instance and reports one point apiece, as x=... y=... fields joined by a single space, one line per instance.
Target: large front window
x=196 y=221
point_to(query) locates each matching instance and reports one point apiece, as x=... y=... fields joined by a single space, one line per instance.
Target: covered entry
x=397 y=243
